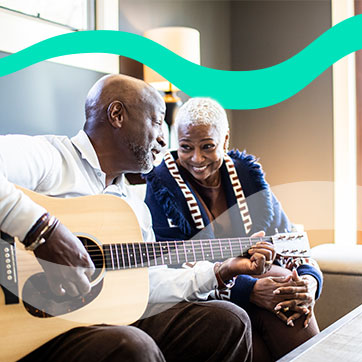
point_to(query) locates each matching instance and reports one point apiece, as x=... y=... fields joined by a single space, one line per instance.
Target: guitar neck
x=138 y=255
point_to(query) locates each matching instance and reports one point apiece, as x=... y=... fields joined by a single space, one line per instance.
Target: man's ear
x=115 y=114
x=226 y=142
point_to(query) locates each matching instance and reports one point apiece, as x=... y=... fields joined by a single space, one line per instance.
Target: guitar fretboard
x=138 y=255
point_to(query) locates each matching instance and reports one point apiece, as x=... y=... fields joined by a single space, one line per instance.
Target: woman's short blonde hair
x=206 y=111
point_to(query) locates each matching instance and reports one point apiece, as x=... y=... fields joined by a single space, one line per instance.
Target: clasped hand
x=299 y=298
x=288 y=297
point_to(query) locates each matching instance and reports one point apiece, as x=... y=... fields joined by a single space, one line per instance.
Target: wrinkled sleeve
x=175 y=285
x=17 y=212
x=24 y=161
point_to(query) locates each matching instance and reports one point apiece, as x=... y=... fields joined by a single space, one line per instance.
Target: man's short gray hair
x=197 y=111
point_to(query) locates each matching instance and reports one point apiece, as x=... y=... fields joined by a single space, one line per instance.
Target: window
x=74 y=14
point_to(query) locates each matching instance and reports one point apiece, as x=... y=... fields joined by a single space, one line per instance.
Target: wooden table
x=340 y=342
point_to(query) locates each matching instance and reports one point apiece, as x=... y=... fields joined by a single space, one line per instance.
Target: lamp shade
x=180 y=40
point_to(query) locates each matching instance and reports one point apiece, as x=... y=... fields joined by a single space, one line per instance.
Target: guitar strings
x=169 y=255
x=196 y=243
x=167 y=259
x=233 y=240
x=167 y=252
x=180 y=246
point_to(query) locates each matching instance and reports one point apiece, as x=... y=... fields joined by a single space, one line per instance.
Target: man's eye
x=157 y=121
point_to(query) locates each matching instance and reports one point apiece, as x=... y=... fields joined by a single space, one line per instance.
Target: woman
x=204 y=192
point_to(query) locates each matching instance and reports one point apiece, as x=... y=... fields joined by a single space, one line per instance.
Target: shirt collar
x=82 y=142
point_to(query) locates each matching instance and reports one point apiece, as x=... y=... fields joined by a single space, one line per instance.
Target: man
x=122 y=134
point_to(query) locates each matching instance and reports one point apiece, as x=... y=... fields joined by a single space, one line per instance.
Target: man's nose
x=161 y=139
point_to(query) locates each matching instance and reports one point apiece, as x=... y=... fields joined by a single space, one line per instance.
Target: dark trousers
x=272 y=338
x=200 y=331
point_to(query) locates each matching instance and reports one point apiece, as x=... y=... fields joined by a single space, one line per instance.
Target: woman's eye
x=185 y=147
x=208 y=146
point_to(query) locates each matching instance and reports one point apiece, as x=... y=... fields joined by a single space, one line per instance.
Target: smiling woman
x=201 y=141
x=201 y=153
x=202 y=191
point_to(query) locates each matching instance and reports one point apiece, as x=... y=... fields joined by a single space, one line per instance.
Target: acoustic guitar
x=30 y=314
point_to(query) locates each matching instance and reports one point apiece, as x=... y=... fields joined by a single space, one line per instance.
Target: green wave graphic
x=233 y=89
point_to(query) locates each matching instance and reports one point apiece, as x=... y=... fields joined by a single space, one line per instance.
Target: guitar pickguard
x=41 y=302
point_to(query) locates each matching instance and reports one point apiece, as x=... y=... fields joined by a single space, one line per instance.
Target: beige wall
x=210 y=17
x=294 y=139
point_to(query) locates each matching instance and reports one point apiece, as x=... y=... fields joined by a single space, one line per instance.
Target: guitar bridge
x=8 y=269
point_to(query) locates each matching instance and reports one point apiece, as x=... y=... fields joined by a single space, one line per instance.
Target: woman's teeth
x=199 y=169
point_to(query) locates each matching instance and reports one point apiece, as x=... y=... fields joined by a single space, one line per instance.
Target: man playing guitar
x=122 y=134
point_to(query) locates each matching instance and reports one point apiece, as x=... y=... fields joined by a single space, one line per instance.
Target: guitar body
x=120 y=297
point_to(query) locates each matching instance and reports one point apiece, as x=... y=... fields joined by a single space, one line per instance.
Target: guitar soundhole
x=96 y=255
x=41 y=302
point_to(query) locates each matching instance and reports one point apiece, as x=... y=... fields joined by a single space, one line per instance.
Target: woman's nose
x=197 y=156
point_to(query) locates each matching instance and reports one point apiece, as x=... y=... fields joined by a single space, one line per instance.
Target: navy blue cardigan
x=172 y=219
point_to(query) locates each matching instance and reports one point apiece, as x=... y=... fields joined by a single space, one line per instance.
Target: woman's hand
x=299 y=297
x=263 y=294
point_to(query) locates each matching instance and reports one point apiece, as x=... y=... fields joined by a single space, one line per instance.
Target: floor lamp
x=184 y=42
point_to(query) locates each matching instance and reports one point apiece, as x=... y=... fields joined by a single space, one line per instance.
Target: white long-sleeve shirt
x=62 y=167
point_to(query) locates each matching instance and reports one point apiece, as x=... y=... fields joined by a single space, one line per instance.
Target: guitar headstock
x=292 y=244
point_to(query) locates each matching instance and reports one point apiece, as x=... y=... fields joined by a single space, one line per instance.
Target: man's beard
x=143 y=157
